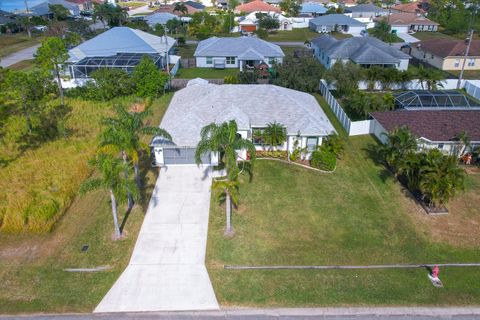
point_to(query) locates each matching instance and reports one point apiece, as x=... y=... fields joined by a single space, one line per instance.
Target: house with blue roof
x=312 y=9
x=119 y=47
x=236 y=52
x=338 y=23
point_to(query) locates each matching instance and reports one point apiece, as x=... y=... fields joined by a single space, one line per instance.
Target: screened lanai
x=124 y=61
x=437 y=100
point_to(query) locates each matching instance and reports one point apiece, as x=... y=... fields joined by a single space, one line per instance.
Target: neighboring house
x=85 y=5
x=170 y=8
x=410 y=22
x=195 y=5
x=312 y=9
x=6 y=19
x=159 y=18
x=336 y=22
x=253 y=107
x=249 y=23
x=364 y=51
x=42 y=9
x=434 y=128
x=236 y=52
x=256 y=6
x=367 y=10
x=417 y=7
x=347 y=3
x=446 y=54
x=119 y=47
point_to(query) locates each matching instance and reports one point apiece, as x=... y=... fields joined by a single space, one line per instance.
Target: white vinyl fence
x=335 y=106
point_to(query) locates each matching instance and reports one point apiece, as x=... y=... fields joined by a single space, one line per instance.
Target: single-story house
x=159 y=18
x=42 y=9
x=119 y=47
x=336 y=22
x=347 y=3
x=170 y=8
x=446 y=54
x=417 y=7
x=312 y=9
x=365 y=51
x=249 y=23
x=366 y=10
x=196 y=5
x=256 y=6
x=434 y=128
x=85 y=5
x=236 y=52
x=253 y=107
x=410 y=22
x=7 y=18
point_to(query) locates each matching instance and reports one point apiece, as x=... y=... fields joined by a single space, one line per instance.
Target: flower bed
x=272 y=154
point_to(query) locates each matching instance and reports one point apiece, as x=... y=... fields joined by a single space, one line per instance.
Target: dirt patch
x=460 y=227
x=137 y=107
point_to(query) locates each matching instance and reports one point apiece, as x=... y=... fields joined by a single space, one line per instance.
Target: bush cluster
x=272 y=154
x=323 y=160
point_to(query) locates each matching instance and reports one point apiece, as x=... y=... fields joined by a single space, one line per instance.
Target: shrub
x=230 y=80
x=181 y=41
x=262 y=33
x=323 y=160
x=148 y=80
x=272 y=154
x=334 y=144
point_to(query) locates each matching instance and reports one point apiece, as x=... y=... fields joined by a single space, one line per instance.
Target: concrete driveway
x=407 y=38
x=167 y=269
x=25 y=54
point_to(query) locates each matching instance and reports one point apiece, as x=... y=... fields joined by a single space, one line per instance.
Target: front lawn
x=205 y=73
x=432 y=36
x=358 y=215
x=24 y=65
x=301 y=35
x=32 y=278
x=13 y=43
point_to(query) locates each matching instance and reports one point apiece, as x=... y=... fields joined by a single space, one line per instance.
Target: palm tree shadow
x=147 y=183
x=125 y=218
x=373 y=153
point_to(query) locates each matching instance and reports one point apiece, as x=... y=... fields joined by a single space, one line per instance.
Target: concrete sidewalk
x=167 y=269
x=25 y=54
x=407 y=38
x=393 y=313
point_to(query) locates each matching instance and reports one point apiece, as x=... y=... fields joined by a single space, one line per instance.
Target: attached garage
x=182 y=155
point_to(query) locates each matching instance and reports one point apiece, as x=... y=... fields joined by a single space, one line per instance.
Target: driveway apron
x=167 y=269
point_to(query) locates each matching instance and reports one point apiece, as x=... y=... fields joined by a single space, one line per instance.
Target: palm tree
x=432 y=77
x=112 y=179
x=101 y=12
x=465 y=141
x=226 y=190
x=123 y=135
x=400 y=142
x=274 y=134
x=440 y=177
x=180 y=7
x=372 y=75
x=225 y=140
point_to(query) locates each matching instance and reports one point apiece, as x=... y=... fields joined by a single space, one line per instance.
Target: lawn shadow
x=372 y=151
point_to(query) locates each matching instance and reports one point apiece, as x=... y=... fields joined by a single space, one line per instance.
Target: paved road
x=167 y=269
x=25 y=54
x=143 y=9
x=283 y=314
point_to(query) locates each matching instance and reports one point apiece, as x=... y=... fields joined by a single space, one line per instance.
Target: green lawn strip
x=13 y=43
x=206 y=73
x=24 y=65
x=439 y=36
x=37 y=283
x=300 y=34
x=331 y=116
x=186 y=50
x=294 y=216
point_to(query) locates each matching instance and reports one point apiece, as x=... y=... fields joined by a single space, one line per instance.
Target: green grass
x=25 y=65
x=357 y=215
x=132 y=4
x=206 y=73
x=186 y=50
x=31 y=266
x=467 y=74
x=301 y=34
x=13 y=43
x=433 y=36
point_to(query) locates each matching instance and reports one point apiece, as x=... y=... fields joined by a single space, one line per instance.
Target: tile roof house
x=236 y=52
x=365 y=51
x=342 y=23
x=249 y=23
x=251 y=106
x=256 y=6
x=120 y=47
x=410 y=22
x=446 y=54
x=434 y=128
x=418 y=7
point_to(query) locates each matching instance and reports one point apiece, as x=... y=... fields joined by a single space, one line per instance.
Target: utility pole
x=27 y=17
x=470 y=37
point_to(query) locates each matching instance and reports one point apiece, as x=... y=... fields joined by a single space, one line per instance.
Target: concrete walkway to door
x=167 y=270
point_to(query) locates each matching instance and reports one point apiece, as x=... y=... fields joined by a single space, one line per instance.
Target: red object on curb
x=435 y=272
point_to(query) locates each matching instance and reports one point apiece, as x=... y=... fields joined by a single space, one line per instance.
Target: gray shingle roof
x=249 y=105
x=121 y=40
x=160 y=18
x=236 y=46
x=42 y=8
x=359 y=49
x=366 y=7
x=336 y=19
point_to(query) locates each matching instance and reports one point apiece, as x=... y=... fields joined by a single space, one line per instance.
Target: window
x=257 y=136
x=432 y=57
x=457 y=63
x=209 y=60
x=230 y=60
x=312 y=143
x=271 y=61
x=440 y=146
x=471 y=62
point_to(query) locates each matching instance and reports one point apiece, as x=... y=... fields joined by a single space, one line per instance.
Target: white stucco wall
x=400 y=29
x=403 y=64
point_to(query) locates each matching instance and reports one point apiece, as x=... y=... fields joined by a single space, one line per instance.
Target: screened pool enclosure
x=436 y=100
x=125 y=61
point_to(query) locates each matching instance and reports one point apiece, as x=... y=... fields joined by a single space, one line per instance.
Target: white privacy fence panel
x=335 y=106
x=361 y=127
x=472 y=89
